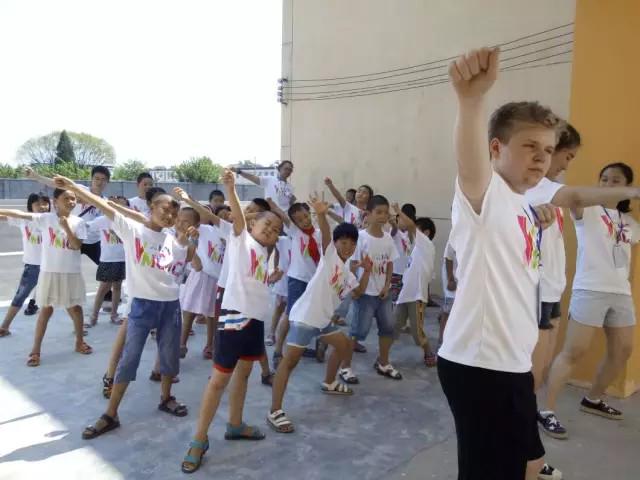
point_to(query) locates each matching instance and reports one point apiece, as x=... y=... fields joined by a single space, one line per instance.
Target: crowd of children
x=310 y=265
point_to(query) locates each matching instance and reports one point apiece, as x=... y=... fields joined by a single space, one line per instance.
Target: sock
x=546 y=413
x=593 y=401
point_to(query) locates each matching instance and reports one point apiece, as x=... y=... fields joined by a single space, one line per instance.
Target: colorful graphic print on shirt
x=156 y=256
x=34 y=237
x=338 y=282
x=531 y=255
x=613 y=229
x=560 y=219
x=258 y=266
x=110 y=237
x=58 y=239
x=216 y=251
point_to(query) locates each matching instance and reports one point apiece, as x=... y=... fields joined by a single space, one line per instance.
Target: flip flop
x=33 y=360
x=84 y=349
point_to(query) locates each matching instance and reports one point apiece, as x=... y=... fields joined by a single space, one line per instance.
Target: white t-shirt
x=212 y=244
x=57 y=257
x=155 y=261
x=597 y=232
x=284 y=253
x=553 y=274
x=31 y=240
x=416 y=278
x=494 y=320
x=302 y=266
x=403 y=246
x=354 y=215
x=139 y=205
x=381 y=251
x=330 y=285
x=111 y=248
x=247 y=291
x=88 y=213
x=449 y=254
x=224 y=271
x=280 y=191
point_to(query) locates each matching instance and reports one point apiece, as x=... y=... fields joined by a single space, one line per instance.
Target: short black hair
x=623 y=206
x=569 y=138
x=377 y=201
x=297 y=207
x=262 y=203
x=152 y=192
x=283 y=162
x=425 y=223
x=142 y=176
x=352 y=190
x=219 y=208
x=193 y=211
x=58 y=191
x=216 y=193
x=346 y=230
x=101 y=169
x=37 y=197
x=367 y=188
x=409 y=209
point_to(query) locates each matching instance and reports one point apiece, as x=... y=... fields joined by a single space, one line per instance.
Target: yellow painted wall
x=605 y=108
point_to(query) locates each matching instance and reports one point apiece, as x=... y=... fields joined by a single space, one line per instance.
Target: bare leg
x=342 y=349
x=41 y=328
x=187 y=324
x=287 y=365
x=117 y=394
x=238 y=392
x=619 y=348
x=116 y=350
x=384 y=344
x=539 y=357
x=75 y=313
x=576 y=345
x=277 y=313
x=165 y=386
x=346 y=362
x=103 y=288
x=10 y=315
x=212 y=326
x=264 y=365
x=533 y=469
x=116 y=294
x=283 y=330
x=443 y=324
x=551 y=350
x=210 y=402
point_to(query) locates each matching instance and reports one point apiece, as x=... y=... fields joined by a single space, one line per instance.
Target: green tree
x=89 y=150
x=199 y=170
x=129 y=170
x=64 y=150
x=8 y=171
x=70 y=170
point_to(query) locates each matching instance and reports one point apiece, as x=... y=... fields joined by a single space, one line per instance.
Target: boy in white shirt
x=414 y=295
x=140 y=203
x=311 y=315
x=278 y=189
x=403 y=234
x=376 y=302
x=240 y=336
x=484 y=364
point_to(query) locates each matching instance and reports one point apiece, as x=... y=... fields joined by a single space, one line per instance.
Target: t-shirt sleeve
x=15 y=222
x=543 y=192
x=391 y=246
x=462 y=211
x=81 y=230
x=449 y=252
x=123 y=227
x=225 y=227
x=98 y=224
x=39 y=219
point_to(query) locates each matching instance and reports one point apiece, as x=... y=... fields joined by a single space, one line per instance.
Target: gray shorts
x=601 y=309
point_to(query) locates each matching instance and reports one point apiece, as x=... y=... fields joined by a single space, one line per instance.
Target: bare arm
x=387 y=284
x=32 y=174
x=16 y=214
x=196 y=263
x=335 y=192
x=206 y=215
x=366 y=265
x=577 y=198
x=252 y=178
x=239 y=222
x=335 y=216
x=128 y=212
x=88 y=197
x=278 y=211
x=472 y=76
x=74 y=242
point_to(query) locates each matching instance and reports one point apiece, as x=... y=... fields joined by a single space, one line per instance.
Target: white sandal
x=336 y=388
x=279 y=422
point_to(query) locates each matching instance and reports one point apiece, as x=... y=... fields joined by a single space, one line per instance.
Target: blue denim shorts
x=364 y=309
x=301 y=334
x=28 y=282
x=146 y=315
x=295 y=289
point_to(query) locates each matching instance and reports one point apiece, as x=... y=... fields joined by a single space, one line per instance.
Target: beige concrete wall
x=400 y=142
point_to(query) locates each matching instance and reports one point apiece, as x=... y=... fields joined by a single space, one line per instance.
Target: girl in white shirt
x=601 y=297
x=356 y=213
x=60 y=283
x=32 y=248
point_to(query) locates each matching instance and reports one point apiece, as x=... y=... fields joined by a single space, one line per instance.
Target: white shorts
x=601 y=309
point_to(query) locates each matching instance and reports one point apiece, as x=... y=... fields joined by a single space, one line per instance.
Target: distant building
x=166 y=175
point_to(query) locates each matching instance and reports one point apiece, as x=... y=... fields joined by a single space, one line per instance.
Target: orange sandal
x=34 y=360
x=84 y=349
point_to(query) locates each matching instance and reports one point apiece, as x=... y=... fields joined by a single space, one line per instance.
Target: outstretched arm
x=578 y=198
x=278 y=211
x=85 y=195
x=16 y=214
x=335 y=192
x=321 y=208
x=239 y=222
x=32 y=174
x=206 y=215
x=252 y=178
x=472 y=76
x=128 y=212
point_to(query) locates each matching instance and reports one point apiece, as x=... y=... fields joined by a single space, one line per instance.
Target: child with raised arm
x=32 y=254
x=60 y=282
x=484 y=364
x=355 y=213
x=279 y=189
x=111 y=270
x=377 y=245
x=414 y=294
x=311 y=315
x=240 y=336
x=154 y=260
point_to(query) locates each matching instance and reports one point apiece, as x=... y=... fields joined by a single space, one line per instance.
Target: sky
x=160 y=80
